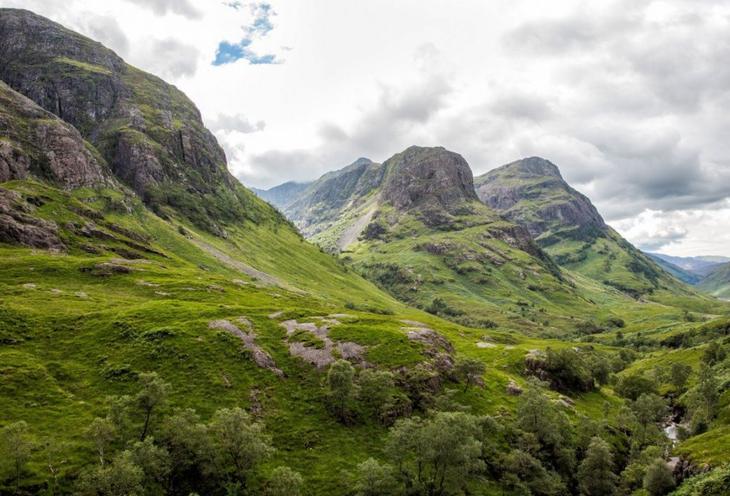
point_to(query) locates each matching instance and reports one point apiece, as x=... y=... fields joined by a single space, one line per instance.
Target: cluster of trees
x=571 y=370
x=380 y=395
x=538 y=452
x=141 y=449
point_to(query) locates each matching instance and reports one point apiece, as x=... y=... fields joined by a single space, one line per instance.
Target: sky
x=627 y=97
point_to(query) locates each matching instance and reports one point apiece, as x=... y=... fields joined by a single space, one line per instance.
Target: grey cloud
x=106 y=30
x=162 y=7
x=237 y=122
x=521 y=106
x=170 y=58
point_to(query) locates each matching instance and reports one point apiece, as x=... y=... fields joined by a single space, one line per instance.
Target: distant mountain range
x=711 y=274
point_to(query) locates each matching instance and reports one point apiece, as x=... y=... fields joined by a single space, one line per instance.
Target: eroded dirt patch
x=323 y=356
x=248 y=338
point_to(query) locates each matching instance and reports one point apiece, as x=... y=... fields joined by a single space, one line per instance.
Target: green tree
x=649 y=409
x=17 y=447
x=375 y=390
x=374 y=479
x=658 y=480
x=285 y=482
x=595 y=474
x=155 y=464
x=152 y=396
x=703 y=398
x=679 y=375
x=190 y=447
x=525 y=474
x=632 y=386
x=437 y=454
x=537 y=415
x=240 y=444
x=470 y=371
x=121 y=477
x=714 y=353
x=102 y=433
x=340 y=387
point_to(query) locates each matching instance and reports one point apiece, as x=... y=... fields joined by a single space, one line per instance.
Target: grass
x=70 y=338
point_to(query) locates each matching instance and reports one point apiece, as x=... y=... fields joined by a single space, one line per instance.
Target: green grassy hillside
x=134 y=293
x=717 y=283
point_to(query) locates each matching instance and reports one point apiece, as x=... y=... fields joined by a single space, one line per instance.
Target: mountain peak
x=534 y=166
x=431 y=177
x=532 y=192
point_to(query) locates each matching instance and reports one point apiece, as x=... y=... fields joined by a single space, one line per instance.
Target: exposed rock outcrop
x=532 y=193
x=151 y=135
x=34 y=142
x=18 y=225
x=427 y=178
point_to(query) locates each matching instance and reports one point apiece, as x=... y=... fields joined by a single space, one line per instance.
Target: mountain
x=701 y=266
x=148 y=132
x=165 y=331
x=532 y=193
x=717 y=282
x=415 y=226
x=677 y=271
x=283 y=195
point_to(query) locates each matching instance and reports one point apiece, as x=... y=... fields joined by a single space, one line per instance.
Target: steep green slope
x=717 y=283
x=131 y=293
x=532 y=193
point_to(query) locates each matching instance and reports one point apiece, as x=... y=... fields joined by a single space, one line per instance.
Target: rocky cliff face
x=431 y=177
x=149 y=132
x=36 y=143
x=332 y=194
x=533 y=193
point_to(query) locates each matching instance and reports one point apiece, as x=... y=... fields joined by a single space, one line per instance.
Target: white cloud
x=628 y=97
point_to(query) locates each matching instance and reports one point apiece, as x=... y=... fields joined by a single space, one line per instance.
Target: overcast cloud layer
x=628 y=97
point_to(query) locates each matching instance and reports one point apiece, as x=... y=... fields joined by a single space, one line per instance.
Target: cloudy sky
x=628 y=97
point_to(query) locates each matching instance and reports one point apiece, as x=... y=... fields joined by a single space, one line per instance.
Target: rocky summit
x=533 y=193
x=428 y=178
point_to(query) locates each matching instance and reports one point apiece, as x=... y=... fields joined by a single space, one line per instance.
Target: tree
x=374 y=479
x=119 y=478
x=375 y=390
x=340 y=387
x=525 y=474
x=239 y=443
x=470 y=371
x=285 y=482
x=595 y=474
x=679 y=374
x=649 y=408
x=152 y=396
x=632 y=386
x=16 y=448
x=707 y=389
x=537 y=415
x=601 y=369
x=658 y=480
x=189 y=445
x=436 y=454
x=155 y=464
x=102 y=432
x=714 y=353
